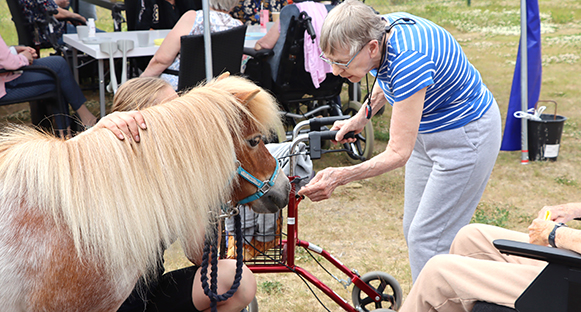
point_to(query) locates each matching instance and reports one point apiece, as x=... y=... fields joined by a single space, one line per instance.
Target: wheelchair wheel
x=363 y=148
x=387 y=287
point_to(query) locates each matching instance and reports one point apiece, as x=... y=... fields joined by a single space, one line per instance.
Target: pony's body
x=81 y=220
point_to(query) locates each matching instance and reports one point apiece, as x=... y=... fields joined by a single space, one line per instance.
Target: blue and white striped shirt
x=426 y=55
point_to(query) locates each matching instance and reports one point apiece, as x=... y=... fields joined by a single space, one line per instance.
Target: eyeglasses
x=343 y=65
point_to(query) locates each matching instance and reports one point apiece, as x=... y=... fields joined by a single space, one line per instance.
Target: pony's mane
x=123 y=201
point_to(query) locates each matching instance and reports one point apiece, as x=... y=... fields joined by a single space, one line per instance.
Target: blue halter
x=263 y=186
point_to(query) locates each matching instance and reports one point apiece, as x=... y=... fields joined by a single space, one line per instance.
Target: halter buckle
x=265 y=187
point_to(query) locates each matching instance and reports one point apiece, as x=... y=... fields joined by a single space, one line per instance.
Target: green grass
x=271 y=287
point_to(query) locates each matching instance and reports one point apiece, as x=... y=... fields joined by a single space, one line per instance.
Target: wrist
x=553 y=234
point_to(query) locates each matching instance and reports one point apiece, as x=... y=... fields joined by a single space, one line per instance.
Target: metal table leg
x=101 y=88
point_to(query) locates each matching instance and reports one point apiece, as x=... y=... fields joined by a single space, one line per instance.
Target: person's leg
x=226 y=272
x=452 y=283
x=476 y=241
x=463 y=159
x=417 y=172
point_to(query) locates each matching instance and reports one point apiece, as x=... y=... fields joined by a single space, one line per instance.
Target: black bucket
x=544 y=136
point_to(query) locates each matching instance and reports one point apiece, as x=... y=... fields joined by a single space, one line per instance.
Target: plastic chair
x=557 y=288
x=227 y=49
x=38 y=111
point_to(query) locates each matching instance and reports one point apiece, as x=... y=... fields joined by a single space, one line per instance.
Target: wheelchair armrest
x=544 y=253
x=258 y=54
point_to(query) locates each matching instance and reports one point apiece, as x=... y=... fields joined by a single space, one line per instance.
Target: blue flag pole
x=524 y=92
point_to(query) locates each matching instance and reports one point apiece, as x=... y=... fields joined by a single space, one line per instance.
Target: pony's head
x=267 y=188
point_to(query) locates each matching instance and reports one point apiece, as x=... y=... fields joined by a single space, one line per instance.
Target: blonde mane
x=123 y=202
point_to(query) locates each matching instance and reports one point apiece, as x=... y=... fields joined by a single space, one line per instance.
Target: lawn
x=361 y=224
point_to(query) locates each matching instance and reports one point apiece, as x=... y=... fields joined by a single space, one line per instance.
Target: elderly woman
x=445 y=124
x=191 y=23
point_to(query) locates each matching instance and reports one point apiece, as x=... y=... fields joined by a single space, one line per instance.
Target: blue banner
x=511 y=140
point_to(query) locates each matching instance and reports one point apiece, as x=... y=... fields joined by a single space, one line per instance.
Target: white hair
x=350 y=26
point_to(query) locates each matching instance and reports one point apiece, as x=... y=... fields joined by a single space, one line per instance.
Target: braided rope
x=211 y=247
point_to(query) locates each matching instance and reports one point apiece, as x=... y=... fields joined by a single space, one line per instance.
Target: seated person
x=162 y=14
x=36 y=11
x=191 y=23
x=476 y=271
x=179 y=290
x=248 y=11
x=14 y=86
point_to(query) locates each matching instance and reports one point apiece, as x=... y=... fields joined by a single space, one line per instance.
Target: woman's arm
x=405 y=121
x=62 y=14
x=170 y=47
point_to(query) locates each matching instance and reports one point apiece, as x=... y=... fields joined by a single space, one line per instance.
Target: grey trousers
x=444 y=181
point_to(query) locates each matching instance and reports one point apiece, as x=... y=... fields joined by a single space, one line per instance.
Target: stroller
x=282 y=71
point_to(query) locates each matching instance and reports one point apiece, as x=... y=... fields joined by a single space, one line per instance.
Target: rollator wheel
x=253 y=306
x=386 y=286
x=364 y=147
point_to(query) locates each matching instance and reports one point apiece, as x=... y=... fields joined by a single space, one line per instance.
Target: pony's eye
x=255 y=141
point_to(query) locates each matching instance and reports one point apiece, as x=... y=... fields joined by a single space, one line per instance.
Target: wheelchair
x=281 y=70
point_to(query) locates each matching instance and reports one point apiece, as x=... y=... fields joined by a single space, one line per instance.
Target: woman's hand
x=322 y=185
x=28 y=56
x=539 y=232
x=123 y=124
x=32 y=51
x=355 y=124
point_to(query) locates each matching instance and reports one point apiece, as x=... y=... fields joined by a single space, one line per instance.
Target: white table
x=94 y=51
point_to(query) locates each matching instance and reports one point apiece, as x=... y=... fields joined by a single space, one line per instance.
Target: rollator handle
x=315 y=138
x=316 y=124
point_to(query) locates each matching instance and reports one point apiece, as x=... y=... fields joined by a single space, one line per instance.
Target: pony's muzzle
x=276 y=198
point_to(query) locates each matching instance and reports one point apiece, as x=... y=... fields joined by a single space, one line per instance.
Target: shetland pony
x=82 y=219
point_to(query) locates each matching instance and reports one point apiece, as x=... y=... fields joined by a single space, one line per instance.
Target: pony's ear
x=224 y=75
x=246 y=96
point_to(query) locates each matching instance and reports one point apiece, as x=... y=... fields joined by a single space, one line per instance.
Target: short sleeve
x=410 y=72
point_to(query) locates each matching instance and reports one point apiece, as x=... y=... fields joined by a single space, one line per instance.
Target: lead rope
x=211 y=246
